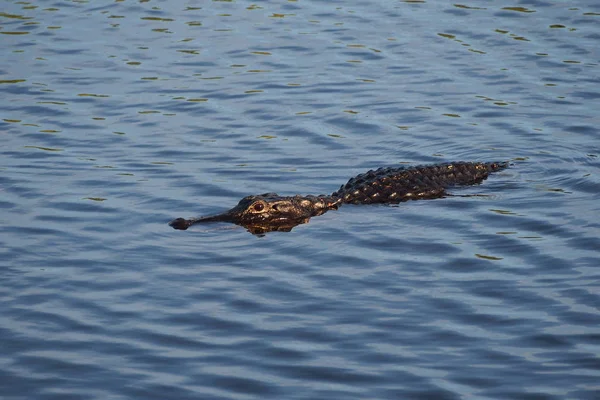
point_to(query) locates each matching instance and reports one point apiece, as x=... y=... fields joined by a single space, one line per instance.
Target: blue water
x=117 y=117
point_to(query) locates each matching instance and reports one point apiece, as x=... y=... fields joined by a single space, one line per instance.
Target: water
x=120 y=116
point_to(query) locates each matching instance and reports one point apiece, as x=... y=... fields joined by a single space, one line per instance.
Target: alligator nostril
x=180 y=223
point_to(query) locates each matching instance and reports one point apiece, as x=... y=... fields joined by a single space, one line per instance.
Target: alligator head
x=268 y=212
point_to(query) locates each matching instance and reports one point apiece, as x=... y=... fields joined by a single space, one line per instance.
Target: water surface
x=120 y=116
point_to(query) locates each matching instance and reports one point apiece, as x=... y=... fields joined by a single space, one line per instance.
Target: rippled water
x=119 y=116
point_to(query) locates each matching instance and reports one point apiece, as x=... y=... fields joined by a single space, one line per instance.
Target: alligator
x=271 y=212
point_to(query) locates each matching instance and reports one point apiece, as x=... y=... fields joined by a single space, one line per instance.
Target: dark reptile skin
x=396 y=184
x=269 y=211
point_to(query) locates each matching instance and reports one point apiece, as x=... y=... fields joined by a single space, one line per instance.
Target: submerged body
x=392 y=185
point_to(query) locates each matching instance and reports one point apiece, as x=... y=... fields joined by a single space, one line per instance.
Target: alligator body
x=271 y=212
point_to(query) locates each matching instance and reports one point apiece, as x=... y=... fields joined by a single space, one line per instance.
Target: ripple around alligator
x=118 y=117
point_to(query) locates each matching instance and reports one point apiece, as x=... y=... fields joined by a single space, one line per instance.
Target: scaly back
x=397 y=184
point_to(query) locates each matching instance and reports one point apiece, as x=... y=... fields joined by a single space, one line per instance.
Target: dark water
x=119 y=116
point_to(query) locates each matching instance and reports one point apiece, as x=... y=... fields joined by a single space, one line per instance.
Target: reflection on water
x=117 y=116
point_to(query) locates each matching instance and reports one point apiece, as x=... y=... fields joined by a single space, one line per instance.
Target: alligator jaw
x=268 y=212
x=182 y=223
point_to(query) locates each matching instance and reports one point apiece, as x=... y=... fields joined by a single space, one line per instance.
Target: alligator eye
x=258 y=207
